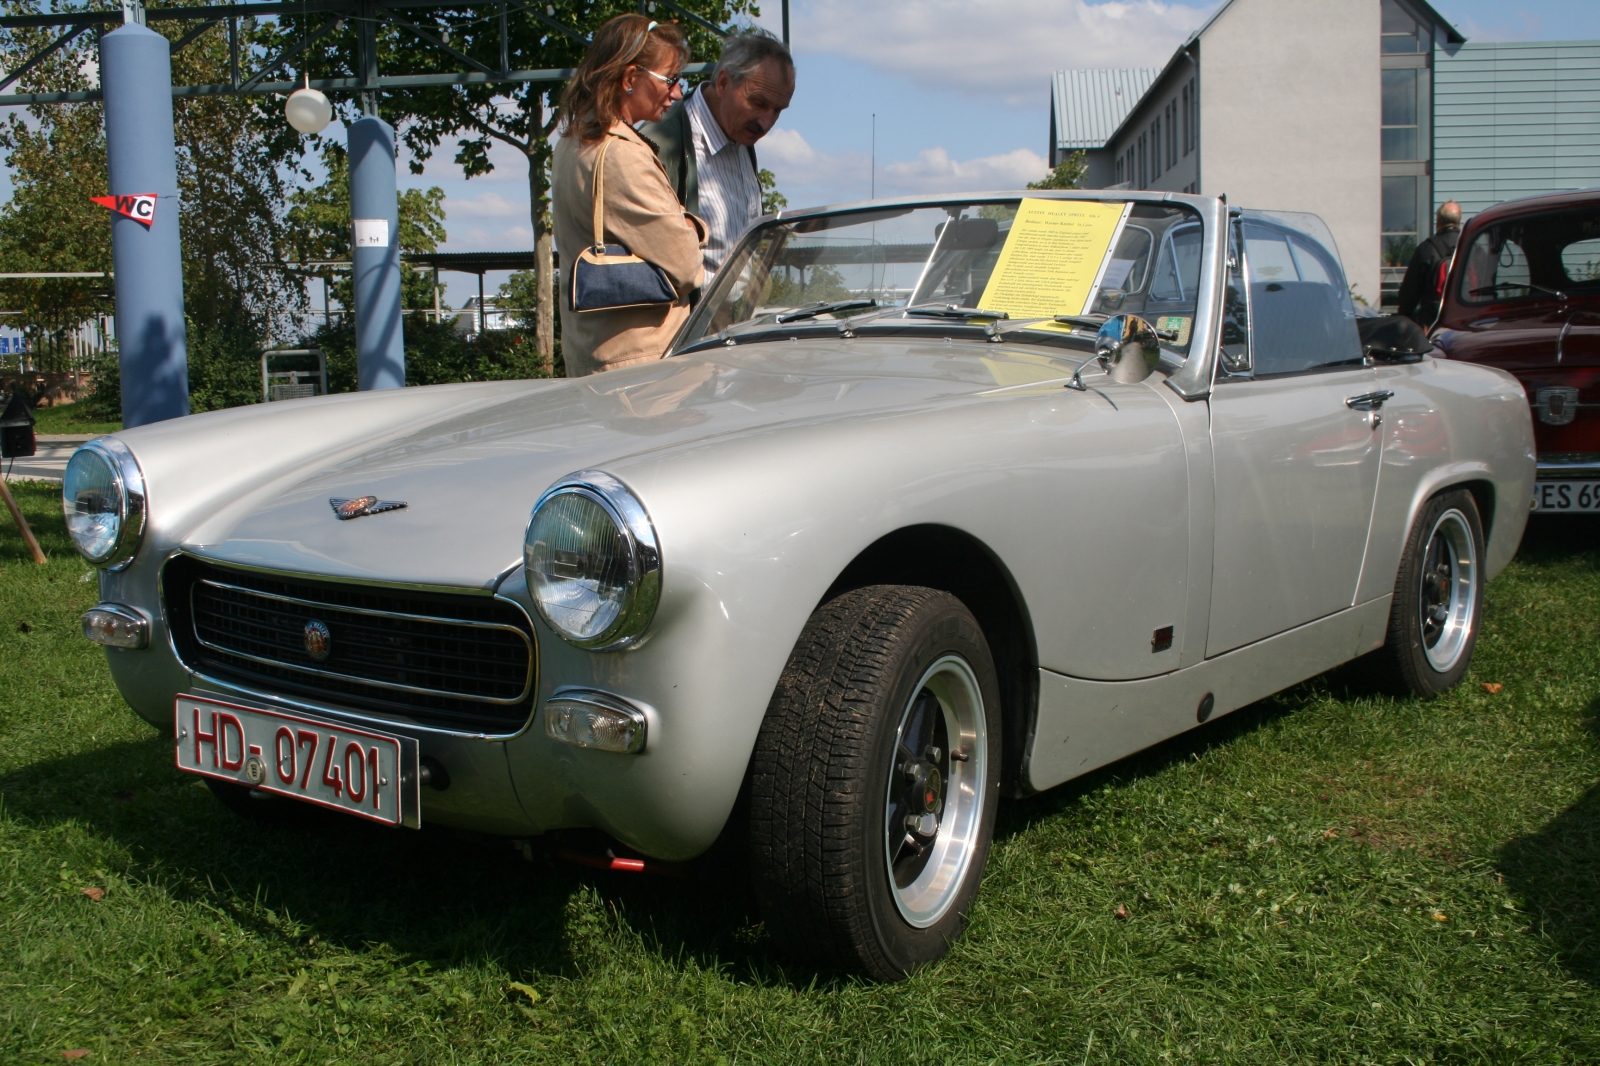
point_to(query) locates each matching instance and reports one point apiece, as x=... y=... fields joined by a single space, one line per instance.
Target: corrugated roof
x=1091 y=104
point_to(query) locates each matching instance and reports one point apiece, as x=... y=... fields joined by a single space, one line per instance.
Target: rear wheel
x=1438 y=596
x=875 y=780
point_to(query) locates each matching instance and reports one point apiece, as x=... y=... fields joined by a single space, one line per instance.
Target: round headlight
x=102 y=494
x=593 y=566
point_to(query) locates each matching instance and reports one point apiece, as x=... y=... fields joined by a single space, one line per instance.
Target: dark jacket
x=1419 y=292
x=673 y=137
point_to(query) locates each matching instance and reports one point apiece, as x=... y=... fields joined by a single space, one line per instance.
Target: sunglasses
x=670 y=83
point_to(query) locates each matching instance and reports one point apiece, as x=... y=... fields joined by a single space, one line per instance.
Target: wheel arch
x=1483 y=495
x=954 y=561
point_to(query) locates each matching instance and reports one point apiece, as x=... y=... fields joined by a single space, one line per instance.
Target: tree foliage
x=521 y=116
x=232 y=184
x=1068 y=174
x=319 y=224
x=57 y=157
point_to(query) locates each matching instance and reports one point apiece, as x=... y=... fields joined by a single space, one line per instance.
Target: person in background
x=1423 y=287
x=707 y=140
x=628 y=76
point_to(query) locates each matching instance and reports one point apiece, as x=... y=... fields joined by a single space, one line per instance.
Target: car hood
x=252 y=486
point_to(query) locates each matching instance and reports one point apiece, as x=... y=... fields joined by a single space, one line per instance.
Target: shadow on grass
x=1553 y=538
x=438 y=896
x=1556 y=873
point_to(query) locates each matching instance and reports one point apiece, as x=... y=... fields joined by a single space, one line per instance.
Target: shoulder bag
x=606 y=277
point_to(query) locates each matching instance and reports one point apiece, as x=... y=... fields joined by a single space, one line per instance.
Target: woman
x=629 y=75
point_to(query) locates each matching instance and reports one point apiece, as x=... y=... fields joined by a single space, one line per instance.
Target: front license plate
x=1571 y=496
x=371 y=775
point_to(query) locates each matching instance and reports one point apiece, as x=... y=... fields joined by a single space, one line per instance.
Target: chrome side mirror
x=1128 y=348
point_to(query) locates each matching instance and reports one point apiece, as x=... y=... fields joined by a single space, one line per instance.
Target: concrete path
x=50 y=462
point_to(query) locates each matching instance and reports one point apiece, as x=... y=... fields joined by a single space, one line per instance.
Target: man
x=1423 y=287
x=707 y=140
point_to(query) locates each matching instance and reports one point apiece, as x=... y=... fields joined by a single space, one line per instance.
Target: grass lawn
x=1327 y=876
x=70 y=418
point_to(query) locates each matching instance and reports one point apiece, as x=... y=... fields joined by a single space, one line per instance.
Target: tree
x=1068 y=174
x=57 y=157
x=772 y=201
x=319 y=221
x=522 y=116
x=239 y=294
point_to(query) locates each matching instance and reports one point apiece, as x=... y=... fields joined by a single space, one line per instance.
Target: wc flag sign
x=139 y=206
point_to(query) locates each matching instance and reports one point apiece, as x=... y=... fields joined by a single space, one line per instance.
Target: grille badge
x=363 y=505
x=317 y=640
x=1557 y=406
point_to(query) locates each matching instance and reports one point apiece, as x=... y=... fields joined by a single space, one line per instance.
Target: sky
x=942 y=95
x=915 y=96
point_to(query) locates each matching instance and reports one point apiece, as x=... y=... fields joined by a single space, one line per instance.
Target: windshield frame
x=1192 y=381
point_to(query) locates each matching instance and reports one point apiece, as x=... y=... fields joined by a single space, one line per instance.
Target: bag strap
x=600 y=195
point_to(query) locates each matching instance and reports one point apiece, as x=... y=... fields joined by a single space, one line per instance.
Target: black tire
x=264 y=808
x=829 y=763
x=1438 y=598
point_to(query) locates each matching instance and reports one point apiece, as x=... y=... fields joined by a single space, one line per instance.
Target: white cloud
x=808 y=176
x=486 y=205
x=1001 y=48
x=934 y=171
x=477 y=239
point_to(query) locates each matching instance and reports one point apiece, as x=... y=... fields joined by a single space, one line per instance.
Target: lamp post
x=153 y=356
x=375 y=236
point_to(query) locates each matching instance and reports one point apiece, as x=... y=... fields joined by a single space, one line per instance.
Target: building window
x=1400 y=140
x=1401 y=213
x=1155 y=149
x=1402 y=32
x=1144 y=167
x=1185 y=120
x=1191 y=120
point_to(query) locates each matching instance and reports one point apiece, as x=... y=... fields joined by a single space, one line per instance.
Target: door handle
x=1368 y=401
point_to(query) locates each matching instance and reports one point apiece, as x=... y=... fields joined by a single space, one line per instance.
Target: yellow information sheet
x=1052 y=258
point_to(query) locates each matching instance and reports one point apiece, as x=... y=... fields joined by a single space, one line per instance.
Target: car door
x=1293 y=420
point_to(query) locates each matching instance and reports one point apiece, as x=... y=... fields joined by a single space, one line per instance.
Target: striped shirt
x=730 y=193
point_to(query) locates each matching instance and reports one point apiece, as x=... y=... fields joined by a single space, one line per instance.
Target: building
x=1284 y=104
x=1514 y=120
x=1086 y=108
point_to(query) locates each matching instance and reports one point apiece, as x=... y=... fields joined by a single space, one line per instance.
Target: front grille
x=459 y=662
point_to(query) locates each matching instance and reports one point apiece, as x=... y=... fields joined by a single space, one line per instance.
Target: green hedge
x=226 y=371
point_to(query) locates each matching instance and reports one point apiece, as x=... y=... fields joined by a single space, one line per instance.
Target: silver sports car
x=870 y=549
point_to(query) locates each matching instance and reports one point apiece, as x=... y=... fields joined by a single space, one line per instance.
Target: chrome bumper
x=1569 y=467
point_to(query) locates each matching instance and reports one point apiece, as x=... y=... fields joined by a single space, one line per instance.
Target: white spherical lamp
x=308 y=110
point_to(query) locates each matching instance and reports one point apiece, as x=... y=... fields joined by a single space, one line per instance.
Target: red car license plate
x=1575 y=497
x=371 y=775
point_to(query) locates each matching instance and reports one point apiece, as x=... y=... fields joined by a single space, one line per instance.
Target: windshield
x=1031 y=259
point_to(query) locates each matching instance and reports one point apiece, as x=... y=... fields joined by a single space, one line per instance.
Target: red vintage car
x=1524 y=295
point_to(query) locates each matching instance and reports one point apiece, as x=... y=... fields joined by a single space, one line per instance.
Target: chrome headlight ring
x=633 y=573
x=127 y=509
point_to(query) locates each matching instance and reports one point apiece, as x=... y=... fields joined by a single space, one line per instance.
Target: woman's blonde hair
x=592 y=100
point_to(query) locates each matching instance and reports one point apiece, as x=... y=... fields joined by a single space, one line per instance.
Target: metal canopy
x=359 y=16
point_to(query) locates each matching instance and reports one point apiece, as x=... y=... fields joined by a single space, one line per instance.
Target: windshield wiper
x=1486 y=290
x=823 y=307
x=952 y=311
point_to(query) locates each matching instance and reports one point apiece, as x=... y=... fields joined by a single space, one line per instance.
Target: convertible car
x=874 y=546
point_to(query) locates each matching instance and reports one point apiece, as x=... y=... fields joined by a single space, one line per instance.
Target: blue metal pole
x=153 y=355
x=375 y=213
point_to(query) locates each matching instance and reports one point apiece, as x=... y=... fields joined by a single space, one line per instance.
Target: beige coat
x=641 y=212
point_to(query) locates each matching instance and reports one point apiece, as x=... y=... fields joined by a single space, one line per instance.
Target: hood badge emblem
x=317 y=640
x=363 y=505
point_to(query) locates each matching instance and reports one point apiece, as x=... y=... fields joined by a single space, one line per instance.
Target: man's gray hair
x=745 y=51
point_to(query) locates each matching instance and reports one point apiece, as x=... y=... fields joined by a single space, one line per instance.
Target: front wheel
x=1438 y=597
x=875 y=779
